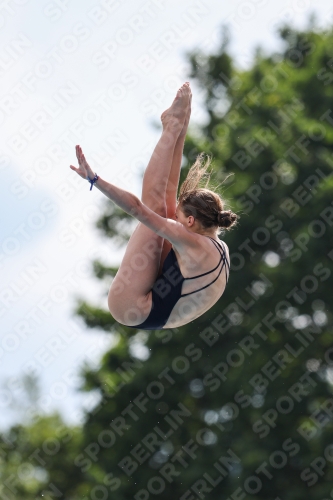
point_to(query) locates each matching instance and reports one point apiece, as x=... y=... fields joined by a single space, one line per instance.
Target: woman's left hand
x=84 y=169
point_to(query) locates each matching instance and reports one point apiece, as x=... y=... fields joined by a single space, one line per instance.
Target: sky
x=99 y=74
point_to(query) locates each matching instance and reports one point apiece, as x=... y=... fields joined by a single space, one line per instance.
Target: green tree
x=239 y=402
x=37 y=460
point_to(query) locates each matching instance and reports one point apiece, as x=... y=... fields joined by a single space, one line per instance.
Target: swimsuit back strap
x=212 y=270
x=224 y=265
x=227 y=272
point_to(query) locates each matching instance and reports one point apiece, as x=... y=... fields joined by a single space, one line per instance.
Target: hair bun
x=226 y=219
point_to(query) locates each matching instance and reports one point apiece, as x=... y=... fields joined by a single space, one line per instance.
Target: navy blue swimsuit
x=167 y=289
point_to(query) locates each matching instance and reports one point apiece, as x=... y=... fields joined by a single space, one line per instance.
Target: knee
x=161 y=210
x=171 y=210
x=155 y=204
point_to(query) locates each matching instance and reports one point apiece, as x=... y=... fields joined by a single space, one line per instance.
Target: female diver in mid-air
x=171 y=272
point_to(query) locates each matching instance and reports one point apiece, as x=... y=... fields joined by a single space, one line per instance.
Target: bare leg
x=130 y=293
x=173 y=181
x=156 y=180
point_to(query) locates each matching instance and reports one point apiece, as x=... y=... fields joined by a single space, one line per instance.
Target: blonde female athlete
x=171 y=272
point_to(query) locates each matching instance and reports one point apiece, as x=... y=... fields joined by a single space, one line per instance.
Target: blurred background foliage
x=237 y=404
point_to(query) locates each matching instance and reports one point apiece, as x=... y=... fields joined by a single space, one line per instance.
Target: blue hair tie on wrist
x=92 y=181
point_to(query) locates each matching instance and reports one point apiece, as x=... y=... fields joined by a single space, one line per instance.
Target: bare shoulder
x=225 y=246
x=225 y=250
x=199 y=254
x=199 y=242
x=190 y=241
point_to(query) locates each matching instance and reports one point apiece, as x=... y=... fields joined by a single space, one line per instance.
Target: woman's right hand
x=84 y=169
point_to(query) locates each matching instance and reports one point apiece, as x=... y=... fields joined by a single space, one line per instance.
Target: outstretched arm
x=173 y=231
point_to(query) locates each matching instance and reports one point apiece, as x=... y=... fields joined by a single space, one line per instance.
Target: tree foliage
x=237 y=404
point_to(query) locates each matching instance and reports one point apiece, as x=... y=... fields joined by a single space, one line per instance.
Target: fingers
x=77 y=150
x=82 y=162
x=79 y=153
x=80 y=156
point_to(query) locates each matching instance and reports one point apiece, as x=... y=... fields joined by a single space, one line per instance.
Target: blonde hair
x=202 y=203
